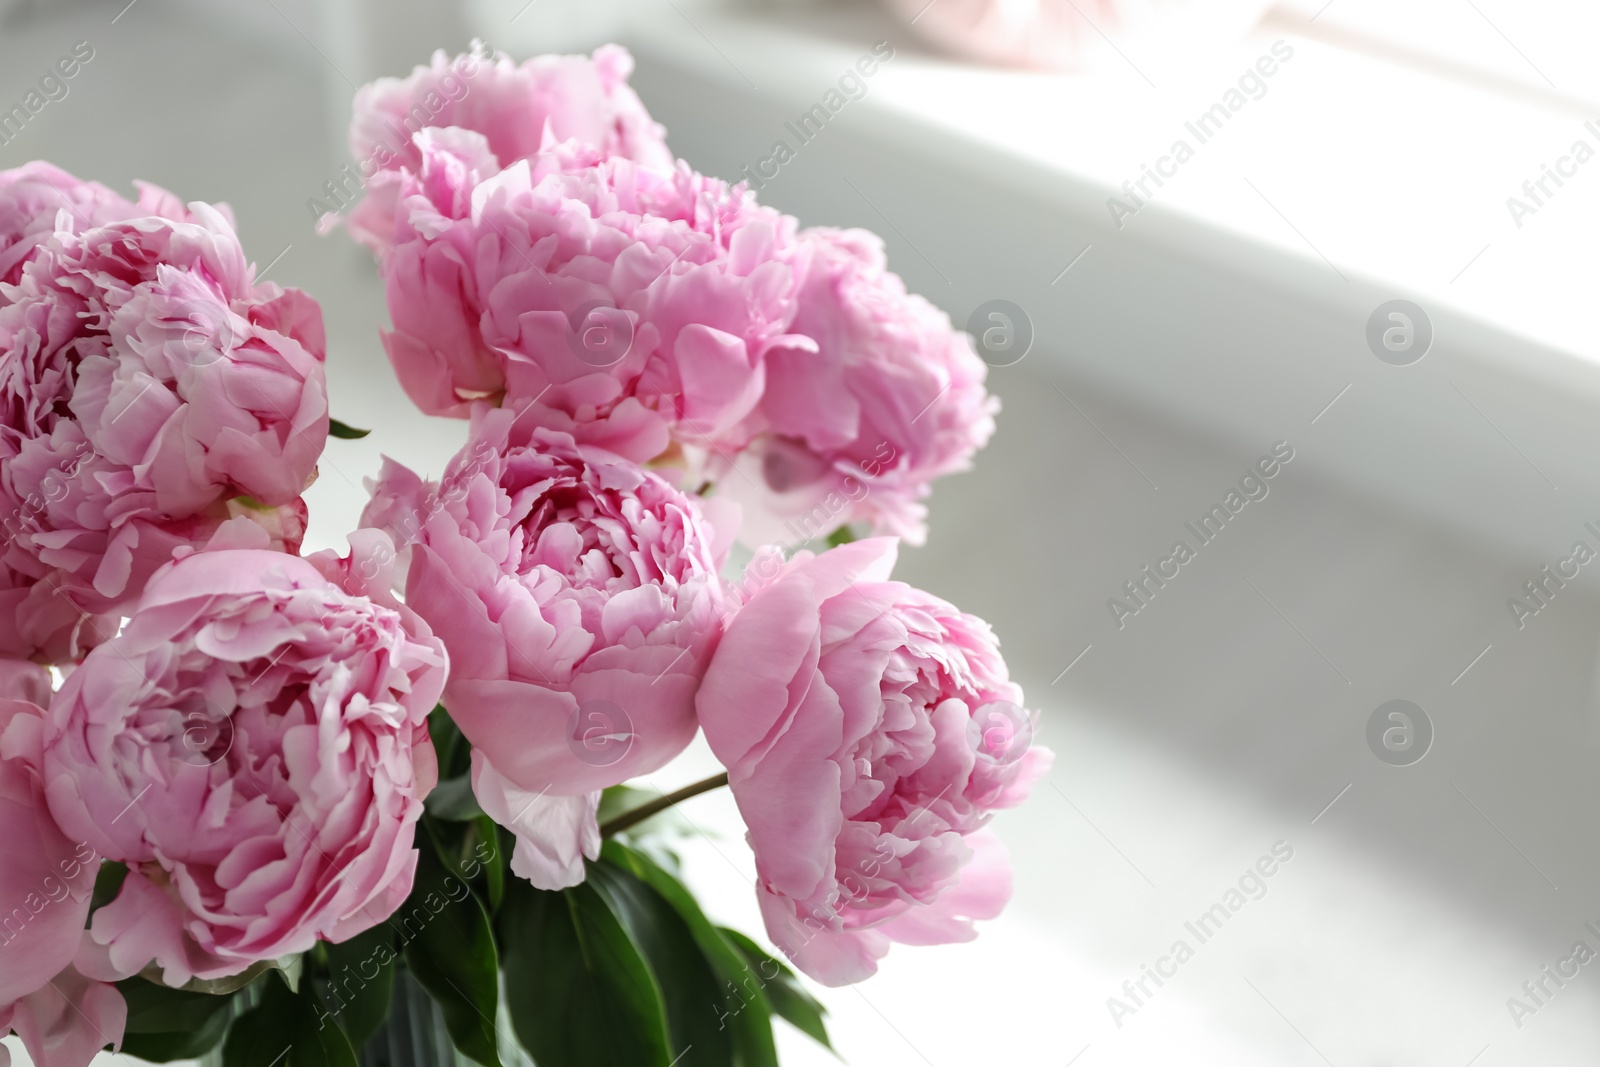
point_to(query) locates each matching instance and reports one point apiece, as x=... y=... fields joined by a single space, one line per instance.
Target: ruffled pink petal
x=982 y=893
x=68 y=1022
x=554 y=833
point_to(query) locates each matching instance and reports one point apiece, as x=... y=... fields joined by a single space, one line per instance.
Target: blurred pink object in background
x=1073 y=34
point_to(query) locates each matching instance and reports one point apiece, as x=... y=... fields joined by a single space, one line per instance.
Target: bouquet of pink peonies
x=280 y=808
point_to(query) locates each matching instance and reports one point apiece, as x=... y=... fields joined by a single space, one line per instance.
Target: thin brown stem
x=629 y=819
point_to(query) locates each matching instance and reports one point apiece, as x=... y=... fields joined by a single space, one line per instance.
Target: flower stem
x=629 y=819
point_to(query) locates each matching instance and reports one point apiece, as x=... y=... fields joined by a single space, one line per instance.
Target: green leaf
x=187 y=1045
x=287 y=1030
x=358 y=984
x=842 y=536
x=621 y=799
x=107 y=884
x=453 y=800
x=472 y=850
x=579 y=992
x=449 y=744
x=746 y=1012
x=487 y=852
x=789 y=998
x=452 y=952
x=697 y=1032
x=345 y=432
x=288 y=966
x=169 y=1024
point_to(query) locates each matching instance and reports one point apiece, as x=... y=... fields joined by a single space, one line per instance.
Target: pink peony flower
x=254 y=746
x=517 y=109
x=21 y=680
x=579 y=599
x=39 y=200
x=628 y=307
x=46 y=881
x=150 y=391
x=1047 y=34
x=68 y=1021
x=1077 y=34
x=869 y=729
x=883 y=397
x=37 y=622
x=36 y=199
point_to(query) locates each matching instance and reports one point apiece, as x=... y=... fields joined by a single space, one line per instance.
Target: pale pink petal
x=70 y=1020
x=554 y=833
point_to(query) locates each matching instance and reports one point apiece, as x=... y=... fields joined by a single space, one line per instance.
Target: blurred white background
x=1228 y=313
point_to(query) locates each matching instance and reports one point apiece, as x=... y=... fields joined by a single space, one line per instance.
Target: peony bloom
x=883 y=397
x=1046 y=34
x=46 y=881
x=35 y=621
x=869 y=729
x=150 y=390
x=579 y=599
x=39 y=200
x=254 y=746
x=628 y=307
x=516 y=108
x=36 y=199
x=68 y=1021
x=1077 y=34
